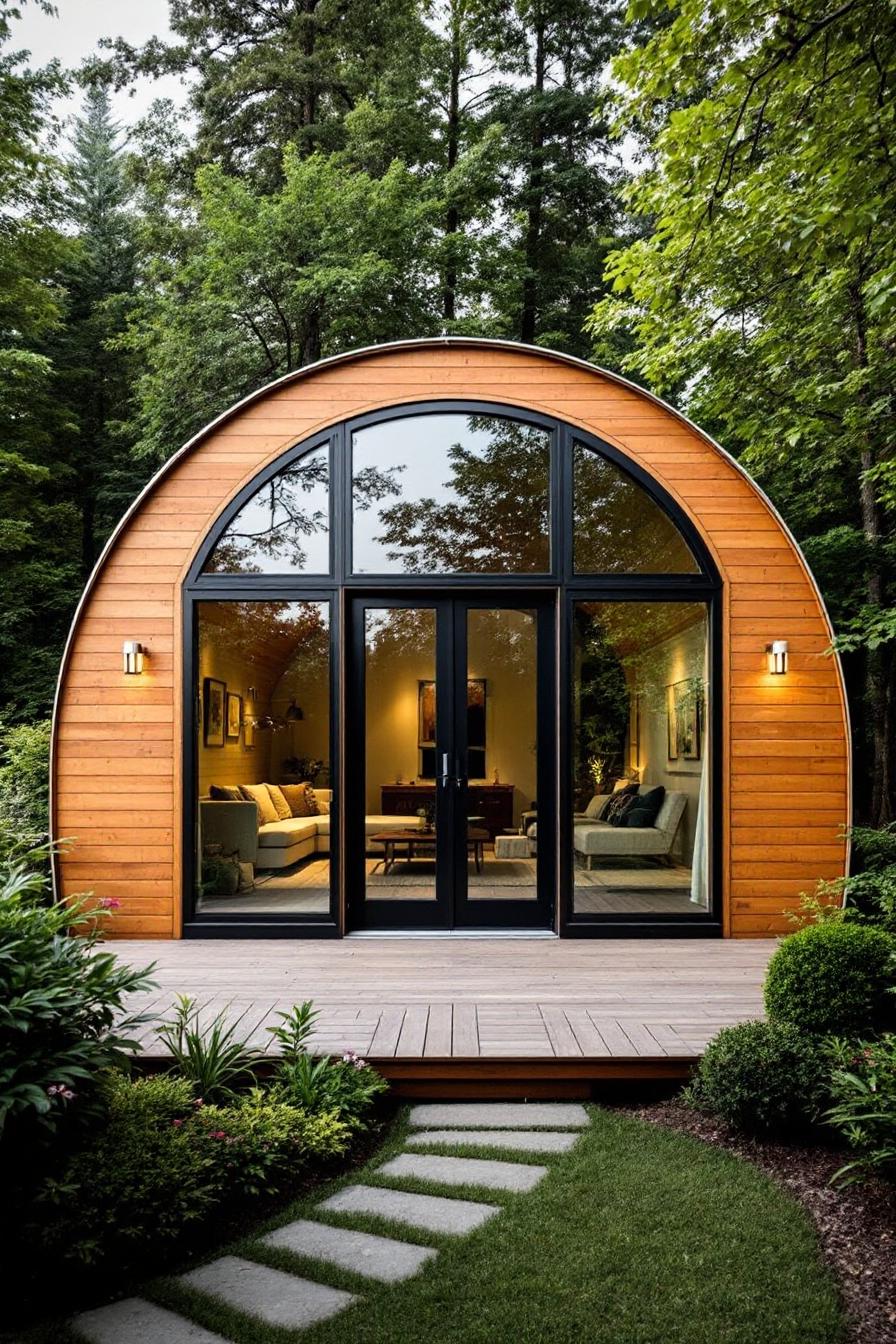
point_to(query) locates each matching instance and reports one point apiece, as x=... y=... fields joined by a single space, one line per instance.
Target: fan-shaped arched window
x=618 y=527
x=284 y=528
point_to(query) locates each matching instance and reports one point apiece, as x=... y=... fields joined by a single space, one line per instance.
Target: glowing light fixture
x=133 y=655
x=776 y=653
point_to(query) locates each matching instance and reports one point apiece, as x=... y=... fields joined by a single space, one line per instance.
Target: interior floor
x=304 y=888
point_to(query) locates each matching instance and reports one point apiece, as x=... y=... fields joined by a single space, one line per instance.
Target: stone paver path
x=516 y=1176
x=517 y=1140
x=283 y=1299
x=374 y=1257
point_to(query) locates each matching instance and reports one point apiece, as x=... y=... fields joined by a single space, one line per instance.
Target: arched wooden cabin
x=450 y=633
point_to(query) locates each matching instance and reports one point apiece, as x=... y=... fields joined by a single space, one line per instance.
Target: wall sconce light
x=133 y=655
x=776 y=653
x=294 y=714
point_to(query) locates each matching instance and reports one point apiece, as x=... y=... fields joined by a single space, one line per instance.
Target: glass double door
x=450 y=763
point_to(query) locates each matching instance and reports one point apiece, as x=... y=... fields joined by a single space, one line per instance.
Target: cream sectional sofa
x=593 y=839
x=278 y=844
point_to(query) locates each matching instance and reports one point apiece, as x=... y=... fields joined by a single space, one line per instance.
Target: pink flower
x=217 y=1134
x=109 y=903
x=177 y=1123
x=60 y=1090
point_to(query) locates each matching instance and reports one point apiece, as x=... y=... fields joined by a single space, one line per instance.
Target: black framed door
x=450 y=724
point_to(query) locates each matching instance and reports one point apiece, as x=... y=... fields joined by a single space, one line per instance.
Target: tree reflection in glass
x=466 y=494
x=617 y=527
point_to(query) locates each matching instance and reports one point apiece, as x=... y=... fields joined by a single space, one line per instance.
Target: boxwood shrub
x=834 y=978
x=761 y=1077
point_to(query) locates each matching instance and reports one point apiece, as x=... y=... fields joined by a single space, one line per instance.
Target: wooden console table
x=492 y=802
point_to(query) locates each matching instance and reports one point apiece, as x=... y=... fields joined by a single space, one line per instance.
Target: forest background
x=699 y=194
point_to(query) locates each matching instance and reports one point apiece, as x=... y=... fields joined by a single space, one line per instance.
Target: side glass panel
x=502 y=674
x=451 y=494
x=263 y=754
x=617 y=527
x=285 y=526
x=400 y=748
x=640 y=758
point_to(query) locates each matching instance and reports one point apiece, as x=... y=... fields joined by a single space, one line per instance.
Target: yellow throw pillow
x=300 y=798
x=281 y=806
x=258 y=794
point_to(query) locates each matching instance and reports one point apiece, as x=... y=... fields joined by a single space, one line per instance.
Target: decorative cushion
x=301 y=799
x=225 y=793
x=258 y=794
x=645 y=808
x=281 y=806
x=618 y=803
x=323 y=806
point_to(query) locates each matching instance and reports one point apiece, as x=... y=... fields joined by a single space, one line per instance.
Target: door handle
x=446 y=778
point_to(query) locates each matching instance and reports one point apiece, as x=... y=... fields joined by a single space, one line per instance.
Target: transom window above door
x=448 y=489
x=451 y=494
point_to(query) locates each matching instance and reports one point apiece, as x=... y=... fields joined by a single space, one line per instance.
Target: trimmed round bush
x=761 y=1077
x=834 y=978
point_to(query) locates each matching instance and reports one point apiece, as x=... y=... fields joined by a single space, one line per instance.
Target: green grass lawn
x=638 y=1236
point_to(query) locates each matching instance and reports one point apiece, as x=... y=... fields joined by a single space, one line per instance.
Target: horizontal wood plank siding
x=117 y=741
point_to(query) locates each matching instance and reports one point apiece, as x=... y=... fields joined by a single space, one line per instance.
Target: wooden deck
x=443 y=1015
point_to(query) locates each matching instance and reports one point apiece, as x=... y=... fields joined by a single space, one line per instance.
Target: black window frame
x=568 y=587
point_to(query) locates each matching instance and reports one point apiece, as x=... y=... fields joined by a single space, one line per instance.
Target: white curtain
x=700 y=860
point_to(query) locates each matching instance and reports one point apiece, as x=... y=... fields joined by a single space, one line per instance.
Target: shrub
x=61 y=1003
x=863 y=1089
x=260 y=1142
x=147 y=1174
x=348 y=1087
x=210 y=1054
x=834 y=978
x=163 y=1162
x=762 y=1077
x=25 y=779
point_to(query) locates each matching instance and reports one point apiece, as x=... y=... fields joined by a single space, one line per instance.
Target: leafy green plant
x=863 y=1089
x=348 y=1086
x=62 y=1019
x=261 y=1141
x=25 y=779
x=835 y=977
x=295 y=1029
x=761 y=1077
x=210 y=1055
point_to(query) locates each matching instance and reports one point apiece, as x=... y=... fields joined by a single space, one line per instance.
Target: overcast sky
x=74 y=33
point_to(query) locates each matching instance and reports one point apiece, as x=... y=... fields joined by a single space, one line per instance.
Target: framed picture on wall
x=213 y=709
x=684 y=716
x=234 y=714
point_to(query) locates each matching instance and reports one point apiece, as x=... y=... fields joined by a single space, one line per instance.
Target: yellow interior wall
x=234 y=763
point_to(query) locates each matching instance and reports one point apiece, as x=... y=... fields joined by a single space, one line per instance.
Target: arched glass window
x=285 y=526
x=451 y=493
x=617 y=527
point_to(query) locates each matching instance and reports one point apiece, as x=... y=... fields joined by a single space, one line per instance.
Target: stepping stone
x=454 y=1217
x=134 y=1319
x=520 y=1140
x=501 y=1115
x=516 y=1176
x=269 y=1294
x=374 y=1257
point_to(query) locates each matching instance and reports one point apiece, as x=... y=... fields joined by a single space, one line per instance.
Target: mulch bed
x=856 y=1223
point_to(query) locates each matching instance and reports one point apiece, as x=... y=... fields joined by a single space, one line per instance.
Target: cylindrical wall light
x=132 y=653
x=776 y=652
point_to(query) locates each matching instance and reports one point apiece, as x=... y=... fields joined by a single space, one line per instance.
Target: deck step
x=517 y=1177
x=268 y=1294
x=516 y=1140
x=374 y=1257
x=433 y=1213
x=500 y=1115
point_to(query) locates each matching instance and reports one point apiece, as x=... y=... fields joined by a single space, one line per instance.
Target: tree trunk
x=452 y=145
x=535 y=193
x=879 y=662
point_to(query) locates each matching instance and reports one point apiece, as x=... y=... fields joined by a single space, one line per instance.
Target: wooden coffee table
x=416 y=840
